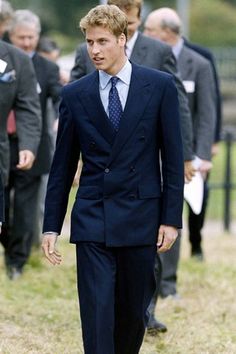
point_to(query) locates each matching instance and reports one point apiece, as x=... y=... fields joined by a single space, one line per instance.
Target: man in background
x=24 y=33
x=19 y=109
x=196 y=221
x=164 y=24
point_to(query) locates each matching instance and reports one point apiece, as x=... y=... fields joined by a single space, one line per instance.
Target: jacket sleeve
x=62 y=172
x=205 y=119
x=169 y=65
x=171 y=159
x=27 y=106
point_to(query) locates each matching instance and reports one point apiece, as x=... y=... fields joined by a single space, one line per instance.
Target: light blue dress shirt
x=122 y=85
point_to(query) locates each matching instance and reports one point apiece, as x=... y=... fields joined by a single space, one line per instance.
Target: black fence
x=229 y=137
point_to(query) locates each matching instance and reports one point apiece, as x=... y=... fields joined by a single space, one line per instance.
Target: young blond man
x=123 y=211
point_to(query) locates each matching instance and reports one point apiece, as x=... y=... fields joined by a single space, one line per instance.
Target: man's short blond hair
x=127 y=4
x=107 y=16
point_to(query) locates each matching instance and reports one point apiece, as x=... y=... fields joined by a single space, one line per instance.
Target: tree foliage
x=212 y=22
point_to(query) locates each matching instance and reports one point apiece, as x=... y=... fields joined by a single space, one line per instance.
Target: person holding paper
x=164 y=24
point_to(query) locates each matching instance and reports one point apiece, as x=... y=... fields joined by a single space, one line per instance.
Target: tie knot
x=114 y=81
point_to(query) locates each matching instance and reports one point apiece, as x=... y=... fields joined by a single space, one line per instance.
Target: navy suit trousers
x=115 y=287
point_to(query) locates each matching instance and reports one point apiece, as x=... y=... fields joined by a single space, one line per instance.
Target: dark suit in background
x=17 y=92
x=26 y=184
x=156 y=55
x=196 y=222
x=1 y=202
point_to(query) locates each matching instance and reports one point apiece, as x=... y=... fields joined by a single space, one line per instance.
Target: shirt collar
x=124 y=75
x=176 y=49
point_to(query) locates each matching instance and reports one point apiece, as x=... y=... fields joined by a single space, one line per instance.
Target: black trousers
x=115 y=287
x=196 y=222
x=21 y=213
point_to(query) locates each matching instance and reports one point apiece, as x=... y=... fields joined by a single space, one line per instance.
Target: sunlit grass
x=39 y=312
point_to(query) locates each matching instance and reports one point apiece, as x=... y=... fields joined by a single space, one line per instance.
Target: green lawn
x=216 y=200
x=39 y=312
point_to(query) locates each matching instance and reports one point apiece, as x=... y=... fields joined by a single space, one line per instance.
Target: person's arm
x=1 y=203
x=172 y=169
x=62 y=172
x=54 y=85
x=206 y=113
x=28 y=113
x=170 y=66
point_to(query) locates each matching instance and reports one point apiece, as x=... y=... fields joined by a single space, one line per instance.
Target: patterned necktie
x=114 y=104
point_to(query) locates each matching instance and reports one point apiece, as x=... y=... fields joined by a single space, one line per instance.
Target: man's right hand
x=189 y=171
x=48 y=247
x=26 y=160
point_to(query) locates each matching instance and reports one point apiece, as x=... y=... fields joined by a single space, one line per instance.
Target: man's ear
x=122 y=38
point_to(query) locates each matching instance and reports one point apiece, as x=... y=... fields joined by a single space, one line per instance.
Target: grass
x=39 y=312
x=216 y=199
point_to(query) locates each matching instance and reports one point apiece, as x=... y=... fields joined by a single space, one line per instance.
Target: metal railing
x=229 y=137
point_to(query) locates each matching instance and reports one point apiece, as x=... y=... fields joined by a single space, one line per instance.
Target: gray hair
x=6 y=11
x=172 y=25
x=25 y=17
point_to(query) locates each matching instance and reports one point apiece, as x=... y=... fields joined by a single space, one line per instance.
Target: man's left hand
x=166 y=237
x=26 y=159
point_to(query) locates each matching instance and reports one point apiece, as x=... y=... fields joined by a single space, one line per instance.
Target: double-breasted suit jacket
x=124 y=193
x=18 y=92
x=153 y=54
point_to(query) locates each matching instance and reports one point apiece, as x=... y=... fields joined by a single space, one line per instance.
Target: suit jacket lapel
x=134 y=108
x=139 y=51
x=184 y=64
x=92 y=103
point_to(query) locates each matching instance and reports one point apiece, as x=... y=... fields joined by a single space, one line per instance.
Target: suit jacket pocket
x=88 y=192
x=149 y=190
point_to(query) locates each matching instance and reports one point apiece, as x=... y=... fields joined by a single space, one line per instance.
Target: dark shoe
x=14 y=273
x=154 y=327
x=197 y=254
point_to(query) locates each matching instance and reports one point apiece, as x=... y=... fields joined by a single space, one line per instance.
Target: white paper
x=3 y=65
x=193 y=193
x=189 y=86
x=38 y=88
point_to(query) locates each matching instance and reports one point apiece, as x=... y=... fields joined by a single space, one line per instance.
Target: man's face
x=154 y=30
x=25 y=37
x=105 y=49
x=133 y=20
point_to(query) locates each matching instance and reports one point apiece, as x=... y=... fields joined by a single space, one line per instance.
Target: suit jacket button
x=132 y=169
x=132 y=196
x=107 y=170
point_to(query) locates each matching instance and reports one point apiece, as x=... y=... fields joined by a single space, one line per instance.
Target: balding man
x=164 y=24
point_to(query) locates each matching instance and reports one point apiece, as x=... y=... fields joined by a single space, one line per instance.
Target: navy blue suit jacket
x=124 y=193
